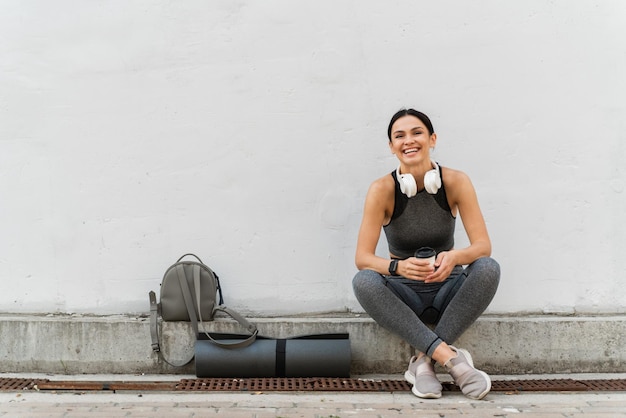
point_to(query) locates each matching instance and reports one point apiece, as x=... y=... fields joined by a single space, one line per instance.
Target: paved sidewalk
x=108 y=404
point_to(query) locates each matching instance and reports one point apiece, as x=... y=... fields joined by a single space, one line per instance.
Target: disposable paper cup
x=426 y=253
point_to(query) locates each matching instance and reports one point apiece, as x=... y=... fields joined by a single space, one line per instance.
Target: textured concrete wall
x=248 y=132
x=500 y=345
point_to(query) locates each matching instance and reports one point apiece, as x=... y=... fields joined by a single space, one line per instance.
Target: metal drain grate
x=19 y=384
x=301 y=384
x=605 y=385
x=361 y=385
x=293 y=384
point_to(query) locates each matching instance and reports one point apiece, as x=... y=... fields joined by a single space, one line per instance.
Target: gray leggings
x=470 y=301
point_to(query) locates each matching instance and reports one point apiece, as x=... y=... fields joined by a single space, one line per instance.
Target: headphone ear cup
x=408 y=186
x=432 y=180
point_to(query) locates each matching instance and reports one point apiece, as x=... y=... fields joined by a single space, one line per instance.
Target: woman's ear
x=433 y=140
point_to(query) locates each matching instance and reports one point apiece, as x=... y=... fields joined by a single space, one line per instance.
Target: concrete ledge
x=499 y=344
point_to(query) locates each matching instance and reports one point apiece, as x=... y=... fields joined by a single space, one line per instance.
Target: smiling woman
x=417 y=205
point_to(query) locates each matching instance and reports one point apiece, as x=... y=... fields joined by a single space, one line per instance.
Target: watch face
x=393 y=267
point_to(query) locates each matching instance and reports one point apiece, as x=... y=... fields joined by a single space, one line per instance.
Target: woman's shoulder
x=381 y=192
x=452 y=177
x=457 y=184
x=383 y=185
x=380 y=198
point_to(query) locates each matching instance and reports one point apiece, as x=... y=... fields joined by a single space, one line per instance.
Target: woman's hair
x=410 y=112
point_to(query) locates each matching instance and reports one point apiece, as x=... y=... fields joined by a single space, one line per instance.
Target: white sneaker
x=474 y=383
x=421 y=374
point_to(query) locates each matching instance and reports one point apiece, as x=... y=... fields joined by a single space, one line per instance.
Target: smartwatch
x=393 y=266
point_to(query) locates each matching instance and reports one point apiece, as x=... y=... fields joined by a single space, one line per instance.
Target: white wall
x=248 y=132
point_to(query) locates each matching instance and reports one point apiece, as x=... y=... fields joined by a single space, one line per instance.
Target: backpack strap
x=196 y=286
x=191 y=254
x=154 y=311
x=182 y=279
x=156 y=337
x=197 y=319
x=250 y=327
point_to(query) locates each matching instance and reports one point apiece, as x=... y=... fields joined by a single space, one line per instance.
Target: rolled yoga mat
x=324 y=355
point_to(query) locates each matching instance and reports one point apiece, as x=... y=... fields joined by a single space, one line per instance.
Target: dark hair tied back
x=411 y=112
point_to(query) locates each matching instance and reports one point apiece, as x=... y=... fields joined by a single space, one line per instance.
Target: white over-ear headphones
x=432 y=181
x=407 y=183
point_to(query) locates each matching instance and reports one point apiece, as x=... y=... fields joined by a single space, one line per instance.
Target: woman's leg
x=477 y=291
x=465 y=307
x=391 y=313
x=471 y=300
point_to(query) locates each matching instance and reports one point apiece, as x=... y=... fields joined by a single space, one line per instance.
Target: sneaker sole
x=425 y=395
x=408 y=376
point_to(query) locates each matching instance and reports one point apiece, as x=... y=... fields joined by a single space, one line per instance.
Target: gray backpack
x=189 y=293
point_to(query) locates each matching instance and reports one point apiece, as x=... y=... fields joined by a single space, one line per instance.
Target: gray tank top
x=424 y=220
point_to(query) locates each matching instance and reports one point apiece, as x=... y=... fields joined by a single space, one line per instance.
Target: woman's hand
x=446 y=261
x=415 y=268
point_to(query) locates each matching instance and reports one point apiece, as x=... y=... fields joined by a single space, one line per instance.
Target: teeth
x=409 y=151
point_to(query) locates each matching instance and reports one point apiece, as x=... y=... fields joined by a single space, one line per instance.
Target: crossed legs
x=471 y=300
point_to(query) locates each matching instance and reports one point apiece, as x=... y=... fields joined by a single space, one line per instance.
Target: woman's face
x=410 y=140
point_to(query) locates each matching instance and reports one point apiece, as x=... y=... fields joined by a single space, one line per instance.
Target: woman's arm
x=377 y=212
x=462 y=199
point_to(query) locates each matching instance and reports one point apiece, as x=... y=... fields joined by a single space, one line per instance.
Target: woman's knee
x=486 y=270
x=366 y=279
